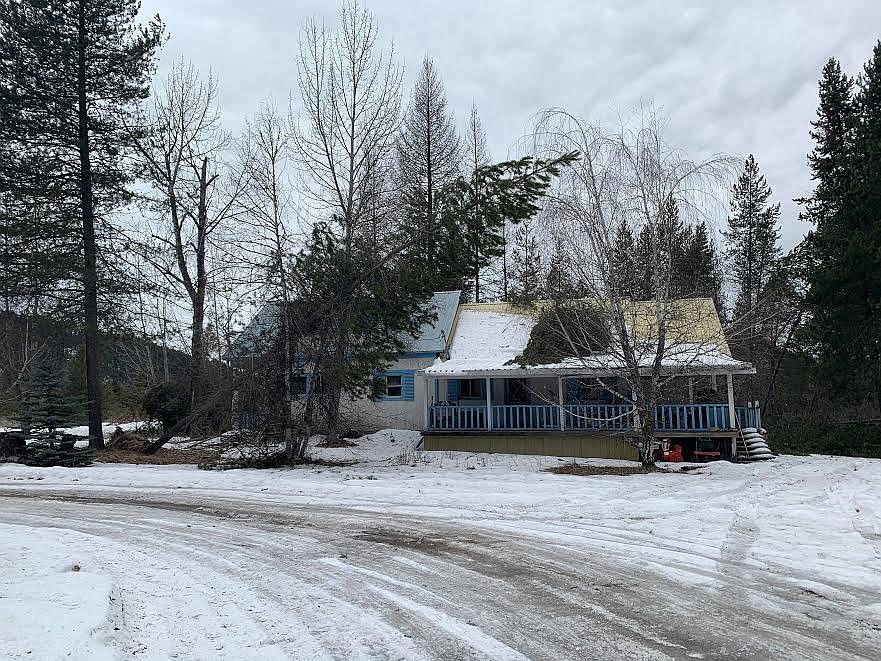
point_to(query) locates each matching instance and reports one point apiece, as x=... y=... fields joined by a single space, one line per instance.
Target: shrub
x=169 y=403
x=848 y=439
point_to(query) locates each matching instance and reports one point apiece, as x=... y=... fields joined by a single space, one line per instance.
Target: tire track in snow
x=516 y=585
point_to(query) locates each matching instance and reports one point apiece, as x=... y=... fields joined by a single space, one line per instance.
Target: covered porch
x=469 y=404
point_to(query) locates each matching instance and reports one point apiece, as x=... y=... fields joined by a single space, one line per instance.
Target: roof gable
x=432 y=336
x=490 y=336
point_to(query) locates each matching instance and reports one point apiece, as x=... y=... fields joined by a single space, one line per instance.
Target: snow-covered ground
x=411 y=554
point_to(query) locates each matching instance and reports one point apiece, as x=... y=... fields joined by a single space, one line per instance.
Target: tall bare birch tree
x=629 y=178
x=476 y=155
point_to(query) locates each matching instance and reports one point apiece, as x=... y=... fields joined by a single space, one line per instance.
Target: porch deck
x=579 y=418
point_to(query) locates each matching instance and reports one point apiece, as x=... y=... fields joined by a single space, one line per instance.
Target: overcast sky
x=737 y=77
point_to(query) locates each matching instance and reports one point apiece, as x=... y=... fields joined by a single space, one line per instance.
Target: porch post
x=690 y=390
x=562 y=404
x=758 y=416
x=489 y=404
x=637 y=423
x=732 y=413
x=427 y=399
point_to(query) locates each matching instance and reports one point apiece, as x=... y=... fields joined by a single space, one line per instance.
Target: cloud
x=737 y=78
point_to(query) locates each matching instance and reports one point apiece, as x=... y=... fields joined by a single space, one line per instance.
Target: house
x=482 y=399
x=461 y=383
x=403 y=403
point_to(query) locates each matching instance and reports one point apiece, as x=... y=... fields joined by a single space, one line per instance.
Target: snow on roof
x=488 y=337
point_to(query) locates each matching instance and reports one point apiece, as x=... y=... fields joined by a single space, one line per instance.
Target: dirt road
x=252 y=580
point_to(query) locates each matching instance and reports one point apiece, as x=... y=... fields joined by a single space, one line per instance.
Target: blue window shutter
x=308 y=385
x=407 y=385
x=483 y=389
x=453 y=390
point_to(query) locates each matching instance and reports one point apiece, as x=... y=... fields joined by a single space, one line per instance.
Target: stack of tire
x=756 y=445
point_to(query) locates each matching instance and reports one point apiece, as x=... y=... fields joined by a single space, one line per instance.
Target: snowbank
x=52 y=605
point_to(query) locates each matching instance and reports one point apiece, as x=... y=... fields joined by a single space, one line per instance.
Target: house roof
x=488 y=337
x=432 y=337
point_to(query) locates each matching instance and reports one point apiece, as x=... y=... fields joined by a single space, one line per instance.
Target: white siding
x=364 y=415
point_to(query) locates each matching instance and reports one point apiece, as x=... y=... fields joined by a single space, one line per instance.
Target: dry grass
x=163 y=457
x=587 y=470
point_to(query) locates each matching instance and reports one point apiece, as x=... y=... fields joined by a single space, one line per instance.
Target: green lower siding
x=558 y=445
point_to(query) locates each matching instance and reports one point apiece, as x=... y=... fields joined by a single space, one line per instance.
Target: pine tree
x=830 y=160
x=526 y=265
x=559 y=284
x=49 y=403
x=71 y=75
x=753 y=234
x=660 y=247
x=699 y=271
x=429 y=158
x=623 y=267
x=845 y=276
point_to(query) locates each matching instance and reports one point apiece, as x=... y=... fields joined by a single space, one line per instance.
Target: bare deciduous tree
x=629 y=177
x=195 y=193
x=268 y=246
x=350 y=92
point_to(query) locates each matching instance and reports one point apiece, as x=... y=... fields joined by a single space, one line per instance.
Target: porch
x=504 y=405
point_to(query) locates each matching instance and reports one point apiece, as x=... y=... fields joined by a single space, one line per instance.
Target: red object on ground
x=674 y=454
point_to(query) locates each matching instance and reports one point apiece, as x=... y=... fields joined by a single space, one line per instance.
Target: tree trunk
x=197 y=346
x=90 y=249
x=288 y=420
x=647 y=432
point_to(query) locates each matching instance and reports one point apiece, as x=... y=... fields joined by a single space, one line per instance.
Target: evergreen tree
x=689 y=252
x=429 y=158
x=623 y=265
x=699 y=271
x=71 y=75
x=526 y=282
x=505 y=194
x=830 y=160
x=845 y=275
x=668 y=238
x=49 y=402
x=559 y=284
x=753 y=234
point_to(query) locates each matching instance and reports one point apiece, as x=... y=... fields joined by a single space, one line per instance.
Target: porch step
x=752 y=445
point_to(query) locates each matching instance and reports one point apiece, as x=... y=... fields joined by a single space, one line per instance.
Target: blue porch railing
x=749 y=416
x=585 y=417
x=457 y=418
x=588 y=417
x=692 y=417
x=526 y=416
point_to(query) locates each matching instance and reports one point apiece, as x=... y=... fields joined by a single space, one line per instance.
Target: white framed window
x=394 y=385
